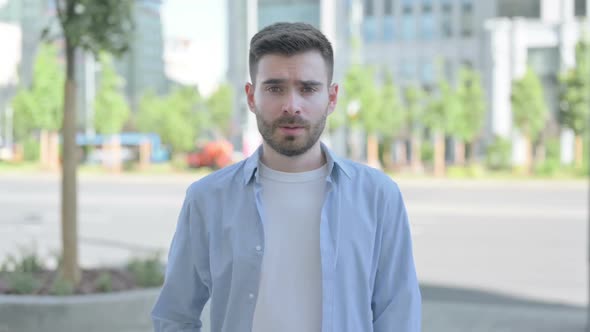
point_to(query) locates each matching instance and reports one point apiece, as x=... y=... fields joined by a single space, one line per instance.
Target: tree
x=574 y=112
x=467 y=123
x=93 y=26
x=529 y=110
x=179 y=118
x=414 y=108
x=111 y=108
x=220 y=107
x=440 y=109
x=39 y=107
x=392 y=113
x=356 y=83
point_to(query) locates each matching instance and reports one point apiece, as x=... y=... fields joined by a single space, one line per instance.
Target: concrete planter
x=127 y=311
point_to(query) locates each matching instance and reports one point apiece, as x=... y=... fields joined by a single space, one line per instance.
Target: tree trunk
x=416 y=154
x=44 y=149
x=373 y=151
x=401 y=153
x=459 y=153
x=69 y=203
x=144 y=154
x=53 y=148
x=439 y=154
x=116 y=146
x=528 y=155
x=579 y=148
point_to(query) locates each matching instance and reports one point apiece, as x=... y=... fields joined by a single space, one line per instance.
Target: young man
x=292 y=238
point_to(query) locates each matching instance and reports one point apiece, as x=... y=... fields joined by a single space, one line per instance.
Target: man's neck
x=313 y=158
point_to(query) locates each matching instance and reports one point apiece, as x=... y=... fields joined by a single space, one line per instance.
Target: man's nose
x=292 y=104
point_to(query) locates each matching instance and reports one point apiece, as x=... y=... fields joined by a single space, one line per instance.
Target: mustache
x=291 y=120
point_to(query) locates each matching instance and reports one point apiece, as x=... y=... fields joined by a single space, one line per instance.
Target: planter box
x=127 y=311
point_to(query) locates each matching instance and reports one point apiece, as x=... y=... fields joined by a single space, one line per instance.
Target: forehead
x=298 y=67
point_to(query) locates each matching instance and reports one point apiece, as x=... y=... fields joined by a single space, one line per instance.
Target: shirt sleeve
x=184 y=293
x=397 y=302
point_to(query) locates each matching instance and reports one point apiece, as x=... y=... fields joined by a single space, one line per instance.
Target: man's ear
x=250 y=96
x=332 y=97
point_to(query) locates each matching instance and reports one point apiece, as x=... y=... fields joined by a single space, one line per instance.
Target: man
x=292 y=238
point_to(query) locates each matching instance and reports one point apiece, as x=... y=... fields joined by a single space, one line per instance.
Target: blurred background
x=478 y=109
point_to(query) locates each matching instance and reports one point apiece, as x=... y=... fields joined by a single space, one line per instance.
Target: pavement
x=490 y=255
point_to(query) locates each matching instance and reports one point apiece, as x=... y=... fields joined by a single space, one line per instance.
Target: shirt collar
x=251 y=164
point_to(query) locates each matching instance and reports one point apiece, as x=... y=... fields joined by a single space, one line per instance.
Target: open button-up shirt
x=369 y=280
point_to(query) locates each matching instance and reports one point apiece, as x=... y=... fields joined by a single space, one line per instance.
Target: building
x=417 y=39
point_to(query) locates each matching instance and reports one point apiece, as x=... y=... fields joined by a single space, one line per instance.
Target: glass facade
x=427 y=26
x=466 y=18
x=270 y=12
x=521 y=8
x=408 y=31
x=388 y=28
x=370 y=29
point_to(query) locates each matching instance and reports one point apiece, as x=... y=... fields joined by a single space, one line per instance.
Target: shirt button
x=251 y=295
x=258 y=248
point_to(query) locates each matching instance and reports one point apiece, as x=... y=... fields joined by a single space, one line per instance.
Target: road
x=491 y=255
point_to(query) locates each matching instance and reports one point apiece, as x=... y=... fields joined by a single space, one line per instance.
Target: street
x=490 y=255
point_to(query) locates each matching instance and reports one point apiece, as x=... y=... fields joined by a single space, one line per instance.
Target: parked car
x=214 y=154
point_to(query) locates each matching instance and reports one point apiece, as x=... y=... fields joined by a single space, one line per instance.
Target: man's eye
x=308 y=89
x=274 y=89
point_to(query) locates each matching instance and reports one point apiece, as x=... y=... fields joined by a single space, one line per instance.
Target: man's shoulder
x=223 y=179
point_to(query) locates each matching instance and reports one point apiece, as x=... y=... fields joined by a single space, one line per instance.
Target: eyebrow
x=283 y=81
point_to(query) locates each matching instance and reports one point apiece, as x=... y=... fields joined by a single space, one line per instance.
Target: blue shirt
x=369 y=280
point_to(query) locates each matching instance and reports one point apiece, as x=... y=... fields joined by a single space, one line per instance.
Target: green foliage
x=111 y=109
x=179 y=118
x=498 y=154
x=552 y=163
x=414 y=106
x=61 y=286
x=31 y=148
x=427 y=152
x=104 y=282
x=468 y=120
x=40 y=105
x=220 y=107
x=28 y=261
x=528 y=105
x=147 y=272
x=392 y=114
x=97 y=26
x=23 y=282
x=445 y=106
x=574 y=94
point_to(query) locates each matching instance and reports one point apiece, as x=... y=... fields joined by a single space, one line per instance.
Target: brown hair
x=289 y=39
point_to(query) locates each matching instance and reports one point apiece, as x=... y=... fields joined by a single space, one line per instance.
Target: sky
x=205 y=23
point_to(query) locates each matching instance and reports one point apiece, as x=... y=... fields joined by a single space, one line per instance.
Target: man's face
x=291 y=99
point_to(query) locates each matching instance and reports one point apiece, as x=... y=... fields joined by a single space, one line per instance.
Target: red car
x=214 y=154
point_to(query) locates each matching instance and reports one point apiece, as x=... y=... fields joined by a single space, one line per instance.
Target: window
x=408 y=69
x=467 y=18
x=426 y=5
x=388 y=28
x=521 y=8
x=408 y=27
x=388 y=10
x=580 y=9
x=408 y=6
x=369 y=8
x=427 y=71
x=446 y=6
x=446 y=26
x=427 y=26
x=370 y=29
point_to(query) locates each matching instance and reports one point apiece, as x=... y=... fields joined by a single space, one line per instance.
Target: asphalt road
x=491 y=255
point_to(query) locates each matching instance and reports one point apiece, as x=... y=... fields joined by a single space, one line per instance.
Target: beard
x=291 y=145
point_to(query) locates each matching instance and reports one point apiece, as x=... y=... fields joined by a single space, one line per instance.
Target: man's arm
x=184 y=293
x=397 y=303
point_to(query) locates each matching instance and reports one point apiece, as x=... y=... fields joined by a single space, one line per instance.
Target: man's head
x=291 y=67
x=289 y=39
